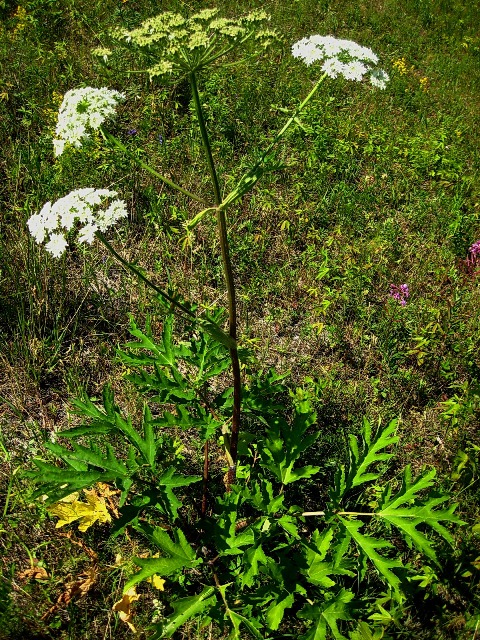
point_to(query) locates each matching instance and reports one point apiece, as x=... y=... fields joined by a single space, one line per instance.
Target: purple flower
x=131 y=132
x=475 y=248
x=160 y=138
x=399 y=293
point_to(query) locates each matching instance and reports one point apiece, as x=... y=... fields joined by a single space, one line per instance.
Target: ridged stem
x=228 y=273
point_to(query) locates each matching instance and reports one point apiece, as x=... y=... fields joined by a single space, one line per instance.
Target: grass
x=376 y=188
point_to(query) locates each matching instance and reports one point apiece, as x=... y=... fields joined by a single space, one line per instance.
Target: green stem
x=291 y=120
x=142 y=277
x=208 y=324
x=340 y=513
x=205 y=139
x=228 y=273
x=249 y=179
x=116 y=142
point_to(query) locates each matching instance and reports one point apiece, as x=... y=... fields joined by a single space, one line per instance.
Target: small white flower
x=115 y=211
x=82 y=110
x=87 y=233
x=340 y=57
x=57 y=244
x=37 y=228
x=58 y=147
x=332 y=67
x=79 y=206
x=379 y=78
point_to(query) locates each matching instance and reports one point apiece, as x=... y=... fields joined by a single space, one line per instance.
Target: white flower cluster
x=341 y=57
x=79 y=205
x=83 y=109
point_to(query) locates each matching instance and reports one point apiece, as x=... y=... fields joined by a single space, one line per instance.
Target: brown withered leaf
x=34 y=573
x=80 y=543
x=74 y=589
x=108 y=493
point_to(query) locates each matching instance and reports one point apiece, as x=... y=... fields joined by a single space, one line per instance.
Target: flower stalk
x=230 y=284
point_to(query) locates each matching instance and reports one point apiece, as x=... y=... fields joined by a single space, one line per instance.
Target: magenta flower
x=399 y=293
x=475 y=249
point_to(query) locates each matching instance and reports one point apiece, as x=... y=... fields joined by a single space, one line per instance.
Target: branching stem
x=116 y=143
x=181 y=309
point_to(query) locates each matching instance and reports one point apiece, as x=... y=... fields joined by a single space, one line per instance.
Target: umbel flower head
x=175 y=45
x=341 y=58
x=81 y=205
x=82 y=110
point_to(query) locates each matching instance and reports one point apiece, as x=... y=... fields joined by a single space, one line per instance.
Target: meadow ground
x=374 y=189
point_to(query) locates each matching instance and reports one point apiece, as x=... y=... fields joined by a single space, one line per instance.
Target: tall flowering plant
x=234 y=564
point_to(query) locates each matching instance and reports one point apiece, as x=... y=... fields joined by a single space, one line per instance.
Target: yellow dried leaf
x=123 y=607
x=157 y=582
x=70 y=509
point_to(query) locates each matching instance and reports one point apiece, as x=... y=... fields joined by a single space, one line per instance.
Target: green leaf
x=276 y=611
x=91 y=456
x=364 y=632
x=150 y=449
x=315 y=551
x=369 y=545
x=407 y=518
x=57 y=482
x=326 y=615
x=361 y=459
x=260 y=495
x=288 y=524
x=179 y=548
x=237 y=620
x=185 y=609
x=251 y=558
x=285 y=444
x=167 y=482
x=85 y=467
x=371 y=453
x=178 y=554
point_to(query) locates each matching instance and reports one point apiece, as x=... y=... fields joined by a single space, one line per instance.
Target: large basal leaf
x=200 y=419
x=325 y=617
x=406 y=511
x=183 y=610
x=85 y=467
x=362 y=458
x=112 y=420
x=285 y=443
x=368 y=545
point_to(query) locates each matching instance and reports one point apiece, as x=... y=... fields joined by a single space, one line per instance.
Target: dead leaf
x=80 y=543
x=103 y=489
x=123 y=607
x=87 y=513
x=157 y=582
x=74 y=589
x=34 y=573
x=107 y=492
